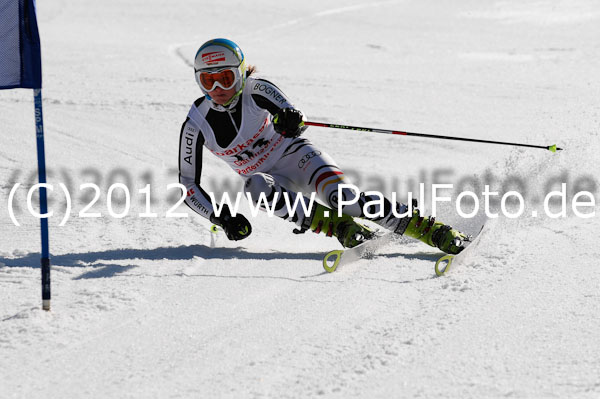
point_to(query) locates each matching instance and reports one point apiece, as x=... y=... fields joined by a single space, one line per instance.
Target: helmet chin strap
x=224 y=107
x=234 y=98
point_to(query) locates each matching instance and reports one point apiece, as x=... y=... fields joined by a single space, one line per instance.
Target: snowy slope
x=146 y=307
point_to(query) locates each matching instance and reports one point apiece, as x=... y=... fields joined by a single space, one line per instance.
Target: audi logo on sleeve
x=307 y=157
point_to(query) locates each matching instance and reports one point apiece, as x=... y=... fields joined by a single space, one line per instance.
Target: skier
x=251 y=125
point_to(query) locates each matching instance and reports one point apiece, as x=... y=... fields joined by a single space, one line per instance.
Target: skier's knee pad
x=259 y=183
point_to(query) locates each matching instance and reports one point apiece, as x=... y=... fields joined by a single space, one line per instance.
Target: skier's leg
x=396 y=218
x=311 y=170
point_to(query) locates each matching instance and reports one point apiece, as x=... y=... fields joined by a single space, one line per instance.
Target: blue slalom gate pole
x=21 y=67
x=39 y=129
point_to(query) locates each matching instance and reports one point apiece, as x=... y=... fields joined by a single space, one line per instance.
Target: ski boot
x=348 y=232
x=435 y=234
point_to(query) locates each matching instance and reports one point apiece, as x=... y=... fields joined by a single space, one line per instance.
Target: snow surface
x=147 y=308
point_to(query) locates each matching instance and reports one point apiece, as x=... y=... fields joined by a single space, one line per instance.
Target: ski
x=333 y=260
x=444 y=263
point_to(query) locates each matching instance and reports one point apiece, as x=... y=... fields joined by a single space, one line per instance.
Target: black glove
x=236 y=227
x=289 y=122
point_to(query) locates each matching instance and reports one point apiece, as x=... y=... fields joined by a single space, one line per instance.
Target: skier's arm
x=287 y=120
x=191 y=142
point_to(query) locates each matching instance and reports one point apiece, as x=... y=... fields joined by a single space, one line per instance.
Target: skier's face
x=221 y=96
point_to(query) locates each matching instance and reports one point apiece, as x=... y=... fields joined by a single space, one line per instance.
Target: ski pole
x=552 y=148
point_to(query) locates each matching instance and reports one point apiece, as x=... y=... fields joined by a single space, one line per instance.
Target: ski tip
x=330 y=268
x=446 y=261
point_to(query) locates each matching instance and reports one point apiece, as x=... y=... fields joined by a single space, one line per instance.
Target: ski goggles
x=224 y=78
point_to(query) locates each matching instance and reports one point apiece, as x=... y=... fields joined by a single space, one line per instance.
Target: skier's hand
x=236 y=227
x=289 y=122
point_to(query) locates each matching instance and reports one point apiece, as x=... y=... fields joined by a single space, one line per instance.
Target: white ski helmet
x=220 y=62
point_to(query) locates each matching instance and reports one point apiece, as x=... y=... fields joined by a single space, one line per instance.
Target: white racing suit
x=242 y=135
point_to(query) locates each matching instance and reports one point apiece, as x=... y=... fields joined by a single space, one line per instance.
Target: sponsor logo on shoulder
x=270 y=91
